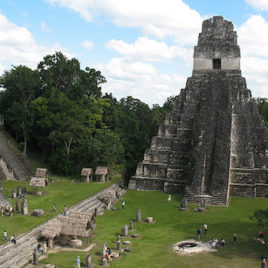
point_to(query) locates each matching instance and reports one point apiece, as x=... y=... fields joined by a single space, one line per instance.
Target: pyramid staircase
x=13 y=166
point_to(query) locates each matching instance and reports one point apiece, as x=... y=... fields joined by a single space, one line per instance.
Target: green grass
x=62 y=192
x=154 y=248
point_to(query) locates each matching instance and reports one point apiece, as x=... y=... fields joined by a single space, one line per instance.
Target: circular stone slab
x=191 y=246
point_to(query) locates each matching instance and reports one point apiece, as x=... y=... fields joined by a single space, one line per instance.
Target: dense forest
x=60 y=112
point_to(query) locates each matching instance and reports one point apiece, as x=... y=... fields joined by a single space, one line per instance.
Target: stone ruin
x=86 y=174
x=102 y=174
x=214 y=142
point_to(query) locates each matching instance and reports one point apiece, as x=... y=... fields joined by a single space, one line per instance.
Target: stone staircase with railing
x=15 y=256
x=15 y=164
x=3 y=200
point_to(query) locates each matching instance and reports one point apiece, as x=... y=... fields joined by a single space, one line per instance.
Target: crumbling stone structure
x=214 y=143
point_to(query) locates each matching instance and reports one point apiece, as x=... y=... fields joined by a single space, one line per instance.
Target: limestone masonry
x=214 y=143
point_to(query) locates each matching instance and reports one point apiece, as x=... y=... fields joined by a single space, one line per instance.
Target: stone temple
x=214 y=143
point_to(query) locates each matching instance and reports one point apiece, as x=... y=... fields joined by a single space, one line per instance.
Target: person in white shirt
x=205 y=228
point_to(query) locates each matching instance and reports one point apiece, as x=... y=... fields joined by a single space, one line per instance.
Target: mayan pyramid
x=214 y=143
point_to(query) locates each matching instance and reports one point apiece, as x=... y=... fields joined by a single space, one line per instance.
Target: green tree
x=21 y=86
x=261 y=215
x=262 y=104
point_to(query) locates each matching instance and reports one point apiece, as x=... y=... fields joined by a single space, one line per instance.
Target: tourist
x=261 y=234
x=14 y=240
x=5 y=235
x=223 y=242
x=54 y=207
x=169 y=197
x=123 y=204
x=263 y=264
x=205 y=228
x=11 y=212
x=11 y=238
x=78 y=262
x=39 y=248
x=64 y=210
x=107 y=255
x=234 y=237
x=109 y=251
x=2 y=211
x=7 y=210
x=215 y=242
x=198 y=233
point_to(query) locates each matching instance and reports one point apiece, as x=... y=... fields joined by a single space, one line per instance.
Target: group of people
x=199 y=231
x=12 y=238
x=108 y=254
x=6 y=210
x=217 y=243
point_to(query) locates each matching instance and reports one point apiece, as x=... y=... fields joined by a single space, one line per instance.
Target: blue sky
x=144 y=48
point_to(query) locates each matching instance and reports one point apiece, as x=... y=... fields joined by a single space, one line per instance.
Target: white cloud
x=157 y=18
x=18 y=46
x=88 y=45
x=149 y=50
x=44 y=27
x=254 y=54
x=252 y=37
x=258 y=4
x=140 y=80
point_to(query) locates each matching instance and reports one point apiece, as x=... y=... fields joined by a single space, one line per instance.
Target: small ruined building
x=214 y=143
x=41 y=173
x=102 y=174
x=40 y=179
x=86 y=174
x=64 y=229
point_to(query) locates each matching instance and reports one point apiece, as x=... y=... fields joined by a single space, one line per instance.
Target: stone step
x=88 y=207
x=3 y=200
x=18 y=252
x=12 y=159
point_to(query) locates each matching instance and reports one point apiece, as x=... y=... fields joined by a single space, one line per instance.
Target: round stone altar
x=191 y=246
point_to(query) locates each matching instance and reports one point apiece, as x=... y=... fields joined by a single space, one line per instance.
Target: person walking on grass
x=54 y=207
x=78 y=262
x=64 y=210
x=198 y=233
x=263 y=264
x=5 y=235
x=205 y=228
x=123 y=204
x=234 y=237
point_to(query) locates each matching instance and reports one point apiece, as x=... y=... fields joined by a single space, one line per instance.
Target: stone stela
x=213 y=143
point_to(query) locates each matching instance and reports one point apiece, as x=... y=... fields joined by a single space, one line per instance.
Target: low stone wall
x=248 y=182
x=248 y=190
x=149 y=184
x=14 y=256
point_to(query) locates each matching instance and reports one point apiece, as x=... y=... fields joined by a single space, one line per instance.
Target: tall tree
x=22 y=85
